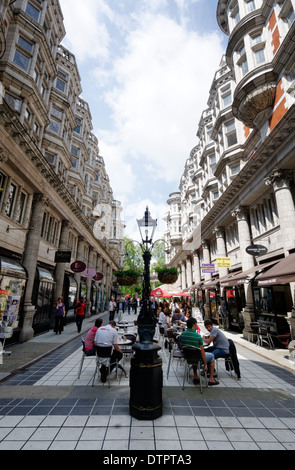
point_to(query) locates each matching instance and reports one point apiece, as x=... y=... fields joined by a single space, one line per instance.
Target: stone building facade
x=237 y=188
x=55 y=194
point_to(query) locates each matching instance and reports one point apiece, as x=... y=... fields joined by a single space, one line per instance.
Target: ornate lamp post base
x=146 y=382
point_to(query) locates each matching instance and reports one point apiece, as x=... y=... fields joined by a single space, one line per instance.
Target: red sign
x=98 y=277
x=78 y=266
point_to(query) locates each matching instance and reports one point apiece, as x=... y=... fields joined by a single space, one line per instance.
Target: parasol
x=158 y=292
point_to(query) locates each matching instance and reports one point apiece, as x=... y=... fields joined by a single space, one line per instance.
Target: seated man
x=220 y=346
x=107 y=335
x=190 y=337
x=89 y=340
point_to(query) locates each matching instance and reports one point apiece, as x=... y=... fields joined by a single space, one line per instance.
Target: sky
x=146 y=67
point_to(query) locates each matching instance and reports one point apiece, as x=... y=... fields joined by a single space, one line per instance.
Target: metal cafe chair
x=265 y=336
x=174 y=352
x=192 y=357
x=127 y=350
x=103 y=358
x=84 y=355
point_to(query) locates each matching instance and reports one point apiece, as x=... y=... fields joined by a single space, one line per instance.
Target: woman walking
x=59 y=316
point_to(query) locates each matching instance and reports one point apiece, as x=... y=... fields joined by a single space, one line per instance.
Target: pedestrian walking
x=80 y=311
x=60 y=315
x=120 y=309
x=112 y=309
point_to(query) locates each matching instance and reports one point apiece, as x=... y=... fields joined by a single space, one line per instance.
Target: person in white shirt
x=108 y=336
x=112 y=309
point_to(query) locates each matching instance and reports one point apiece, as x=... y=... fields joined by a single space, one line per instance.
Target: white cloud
x=86 y=30
x=164 y=79
x=154 y=73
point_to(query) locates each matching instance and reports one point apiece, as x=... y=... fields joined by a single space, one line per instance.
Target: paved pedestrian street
x=45 y=406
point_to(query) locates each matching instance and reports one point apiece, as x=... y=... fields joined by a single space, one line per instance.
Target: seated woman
x=89 y=341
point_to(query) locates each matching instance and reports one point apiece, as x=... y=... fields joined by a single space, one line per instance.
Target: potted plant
x=167 y=275
x=127 y=277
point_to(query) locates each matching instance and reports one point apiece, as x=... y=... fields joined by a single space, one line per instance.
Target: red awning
x=282 y=273
x=160 y=293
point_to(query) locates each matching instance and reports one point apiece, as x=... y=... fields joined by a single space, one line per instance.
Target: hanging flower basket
x=167 y=275
x=127 y=277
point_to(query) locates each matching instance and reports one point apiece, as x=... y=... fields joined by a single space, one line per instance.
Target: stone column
x=183 y=275
x=206 y=260
x=89 y=282
x=221 y=248
x=197 y=270
x=280 y=181
x=60 y=267
x=189 y=274
x=30 y=259
x=245 y=239
x=80 y=257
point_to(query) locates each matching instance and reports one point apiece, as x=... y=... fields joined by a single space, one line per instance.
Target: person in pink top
x=89 y=340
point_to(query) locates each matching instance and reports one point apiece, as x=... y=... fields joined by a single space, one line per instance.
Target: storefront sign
x=62 y=256
x=256 y=250
x=98 y=277
x=208 y=268
x=223 y=262
x=89 y=272
x=78 y=266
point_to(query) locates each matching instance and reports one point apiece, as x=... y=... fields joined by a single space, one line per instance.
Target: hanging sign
x=78 y=266
x=208 y=268
x=62 y=256
x=98 y=277
x=256 y=250
x=89 y=272
x=223 y=262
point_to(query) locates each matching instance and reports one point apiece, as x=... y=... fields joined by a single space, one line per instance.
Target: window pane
x=32 y=11
x=60 y=85
x=10 y=200
x=259 y=56
x=25 y=44
x=21 y=60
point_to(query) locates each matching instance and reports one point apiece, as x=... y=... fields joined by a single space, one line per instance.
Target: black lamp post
x=146 y=376
x=146 y=319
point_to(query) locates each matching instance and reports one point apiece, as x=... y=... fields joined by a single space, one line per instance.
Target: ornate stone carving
x=255 y=106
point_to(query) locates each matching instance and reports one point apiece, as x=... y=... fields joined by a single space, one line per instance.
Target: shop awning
x=12 y=268
x=196 y=286
x=244 y=276
x=282 y=273
x=211 y=283
x=45 y=275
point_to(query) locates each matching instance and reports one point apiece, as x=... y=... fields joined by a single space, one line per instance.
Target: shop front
x=70 y=295
x=42 y=298
x=235 y=302
x=273 y=299
x=13 y=278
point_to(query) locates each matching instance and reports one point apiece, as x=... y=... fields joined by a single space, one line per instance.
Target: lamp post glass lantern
x=146 y=319
x=146 y=375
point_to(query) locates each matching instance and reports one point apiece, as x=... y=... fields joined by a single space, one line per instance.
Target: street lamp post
x=146 y=376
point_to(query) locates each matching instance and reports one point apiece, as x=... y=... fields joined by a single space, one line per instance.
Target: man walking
x=80 y=311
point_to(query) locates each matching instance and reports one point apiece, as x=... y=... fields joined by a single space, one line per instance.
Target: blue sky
x=146 y=68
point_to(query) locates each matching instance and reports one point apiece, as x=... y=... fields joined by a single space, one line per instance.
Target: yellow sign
x=223 y=262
